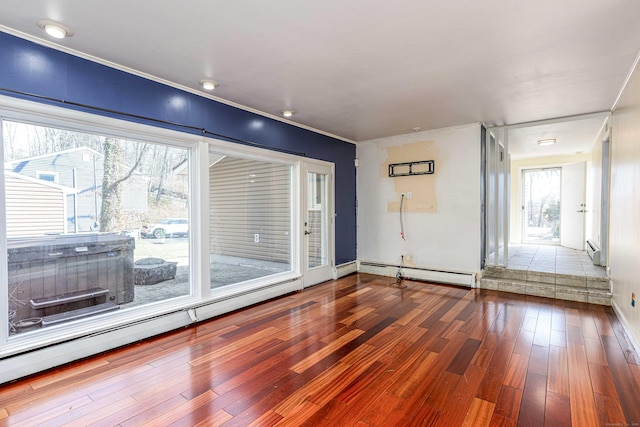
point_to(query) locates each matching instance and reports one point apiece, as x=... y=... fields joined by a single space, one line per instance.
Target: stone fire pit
x=149 y=271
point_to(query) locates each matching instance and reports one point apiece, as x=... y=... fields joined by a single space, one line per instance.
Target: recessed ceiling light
x=55 y=29
x=288 y=113
x=548 y=141
x=208 y=84
x=416 y=129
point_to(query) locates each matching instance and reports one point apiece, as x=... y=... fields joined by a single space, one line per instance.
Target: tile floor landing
x=550 y=271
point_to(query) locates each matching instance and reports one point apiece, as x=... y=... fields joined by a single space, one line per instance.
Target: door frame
x=573 y=240
x=314 y=275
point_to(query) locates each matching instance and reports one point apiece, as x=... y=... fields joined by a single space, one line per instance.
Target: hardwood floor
x=357 y=352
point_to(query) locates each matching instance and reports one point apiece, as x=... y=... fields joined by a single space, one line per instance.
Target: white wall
x=593 y=231
x=624 y=239
x=442 y=220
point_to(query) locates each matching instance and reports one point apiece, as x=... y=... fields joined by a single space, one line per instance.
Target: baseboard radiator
x=417 y=273
x=594 y=252
x=346 y=269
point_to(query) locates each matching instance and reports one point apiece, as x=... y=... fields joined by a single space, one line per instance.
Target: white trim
x=346 y=269
x=555 y=120
x=200 y=217
x=625 y=325
x=220 y=147
x=466 y=279
x=319 y=274
x=62 y=188
x=156 y=79
x=4 y=266
x=38 y=114
x=627 y=80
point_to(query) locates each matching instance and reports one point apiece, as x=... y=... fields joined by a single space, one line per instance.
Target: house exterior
x=77 y=168
x=81 y=170
x=34 y=206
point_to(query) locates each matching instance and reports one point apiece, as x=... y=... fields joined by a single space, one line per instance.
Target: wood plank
x=558 y=373
x=583 y=406
x=556 y=413
x=479 y=413
x=462 y=360
x=508 y=402
x=516 y=371
x=532 y=405
x=356 y=351
x=174 y=414
x=610 y=412
x=627 y=387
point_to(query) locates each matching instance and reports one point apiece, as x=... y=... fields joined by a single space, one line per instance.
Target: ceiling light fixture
x=416 y=129
x=208 y=84
x=288 y=113
x=545 y=142
x=55 y=29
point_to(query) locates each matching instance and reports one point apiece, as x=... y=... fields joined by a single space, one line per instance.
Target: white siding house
x=34 y=206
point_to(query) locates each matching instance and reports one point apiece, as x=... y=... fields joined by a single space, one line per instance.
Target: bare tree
x=112 y=181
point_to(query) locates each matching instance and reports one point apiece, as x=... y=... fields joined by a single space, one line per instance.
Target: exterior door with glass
x=317 y=222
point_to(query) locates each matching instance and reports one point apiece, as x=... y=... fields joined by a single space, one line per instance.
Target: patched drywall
x=420 y=188
x=442 y=219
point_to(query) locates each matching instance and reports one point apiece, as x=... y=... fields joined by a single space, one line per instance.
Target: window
x=250 y=219
x=110 y=235
x=118 y=247
x=47 y=176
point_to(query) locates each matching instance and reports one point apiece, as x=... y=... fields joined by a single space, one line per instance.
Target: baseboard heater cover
x=346 y=269
x=417 y=273
x=594 y=252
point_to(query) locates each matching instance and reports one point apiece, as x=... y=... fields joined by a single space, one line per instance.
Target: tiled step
x=595 y=290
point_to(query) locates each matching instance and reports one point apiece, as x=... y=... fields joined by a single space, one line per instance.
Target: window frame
x=39 y=175
x=224 y=148
x=121 y=326
x=32 y=113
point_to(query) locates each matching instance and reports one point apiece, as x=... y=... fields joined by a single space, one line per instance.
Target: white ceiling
x=363 y=69
x=573 y=136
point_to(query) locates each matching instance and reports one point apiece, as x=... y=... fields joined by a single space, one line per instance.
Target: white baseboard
x=625 y=324
x=448 y=277
x=346 y=269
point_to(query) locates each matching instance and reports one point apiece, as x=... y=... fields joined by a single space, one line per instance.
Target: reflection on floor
x=550 y=271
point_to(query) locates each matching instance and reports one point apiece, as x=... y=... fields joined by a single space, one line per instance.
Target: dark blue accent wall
x=42 y=71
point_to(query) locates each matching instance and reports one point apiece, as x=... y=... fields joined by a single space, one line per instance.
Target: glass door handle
x=582 y=210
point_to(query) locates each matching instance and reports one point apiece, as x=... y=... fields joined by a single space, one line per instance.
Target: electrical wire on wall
x=401 y=219
x=399 y=283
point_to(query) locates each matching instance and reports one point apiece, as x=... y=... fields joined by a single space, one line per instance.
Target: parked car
x=168 y=227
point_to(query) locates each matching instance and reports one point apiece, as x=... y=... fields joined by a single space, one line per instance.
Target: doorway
x=541 y=191
x=317 y=221
x=553 y=205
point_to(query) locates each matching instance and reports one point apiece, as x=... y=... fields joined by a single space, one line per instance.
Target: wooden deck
x=357 y=352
